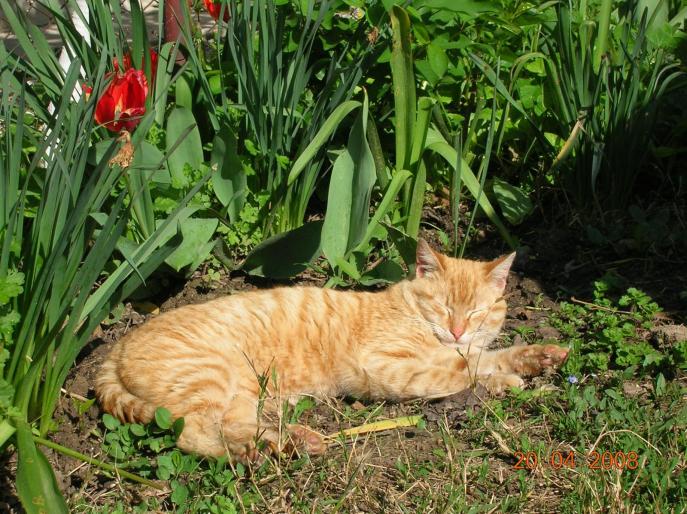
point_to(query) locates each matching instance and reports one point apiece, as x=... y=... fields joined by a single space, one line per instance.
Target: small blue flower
x=572 y=379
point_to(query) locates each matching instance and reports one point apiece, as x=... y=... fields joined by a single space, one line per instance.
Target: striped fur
x=227 y=365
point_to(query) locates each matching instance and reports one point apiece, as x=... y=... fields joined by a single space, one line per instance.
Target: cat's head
x=462 y=300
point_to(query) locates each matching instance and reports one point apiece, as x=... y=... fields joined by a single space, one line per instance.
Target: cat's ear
x=498 y=270
x=426 y=261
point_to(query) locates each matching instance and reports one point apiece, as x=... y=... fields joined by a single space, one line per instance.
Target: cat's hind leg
x=201 y=433
x=208 y=433
x=245 y=429
x=229 y=428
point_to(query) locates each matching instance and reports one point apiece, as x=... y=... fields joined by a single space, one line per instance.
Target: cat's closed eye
x=474 y=312
x=484 y=309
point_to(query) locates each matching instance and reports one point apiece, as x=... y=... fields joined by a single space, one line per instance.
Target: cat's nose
x=458 y=331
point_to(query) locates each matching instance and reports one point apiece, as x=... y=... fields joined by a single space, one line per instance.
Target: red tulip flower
x=124 y=101
x=214 y=7
x=126 y=61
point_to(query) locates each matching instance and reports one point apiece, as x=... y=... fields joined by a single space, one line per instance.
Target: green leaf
x=6 y=389
x=179 y=493
x=347 y=267
x=363 y=179
x=426 y=71
x=603 y=24
x=286 y=254
x=184 y=92
x=660 y=388
x=178 y=427
x=139 y=38
x=472 y=8
x=438 y=59
x=147 y=160
x=165 y=66
x=165 y=468
x=515 y=204
x=36 y=484
x=229 y=181
x=397 y=181
x=406 y=245
x=350 y=186
x=150 y=163
x=110 y=422
x=437 y=143
x=417 y=201
x=163 y=418
x=377 y=154
x=183 y=144
x=195 y=246
x=403 y=80
x=420 y=128
x=337 y=221
x=11 y=286
x=7 y=430
x=137 y=429
x=387 y=272
x=328 y=127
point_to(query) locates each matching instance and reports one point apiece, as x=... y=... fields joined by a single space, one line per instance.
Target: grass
x=602 y=435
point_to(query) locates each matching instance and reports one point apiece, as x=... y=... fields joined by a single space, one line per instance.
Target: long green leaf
x=397 y=181
x=286 y=254
x=337 y=220
x=417 y=201
x=364 y=177
x=403 y=79
x=350 y=187
x=437 y=143
x=420 y=128
x=38 y=54
x=604 y=24
x=36 y=483
x=184 y=146
x=377 y=154
x=327 y=129
x=229 y=181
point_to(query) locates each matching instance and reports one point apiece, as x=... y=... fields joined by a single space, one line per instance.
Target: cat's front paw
x=499 y=383
x=535 y=359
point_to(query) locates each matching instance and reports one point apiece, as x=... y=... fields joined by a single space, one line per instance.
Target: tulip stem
x=135 y=204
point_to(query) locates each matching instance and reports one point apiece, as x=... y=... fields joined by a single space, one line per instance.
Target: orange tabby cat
x=227 y=365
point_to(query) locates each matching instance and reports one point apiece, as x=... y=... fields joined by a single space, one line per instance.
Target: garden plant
x=154 y=157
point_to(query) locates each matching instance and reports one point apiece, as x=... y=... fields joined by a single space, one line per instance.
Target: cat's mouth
x=466 y=340
x=445 y=337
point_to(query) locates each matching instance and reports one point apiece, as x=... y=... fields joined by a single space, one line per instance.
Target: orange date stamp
x=594 y=460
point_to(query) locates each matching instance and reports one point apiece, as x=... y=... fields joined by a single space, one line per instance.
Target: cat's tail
x=116 y=399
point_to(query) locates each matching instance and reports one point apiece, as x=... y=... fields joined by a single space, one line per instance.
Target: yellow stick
x=378 y=426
